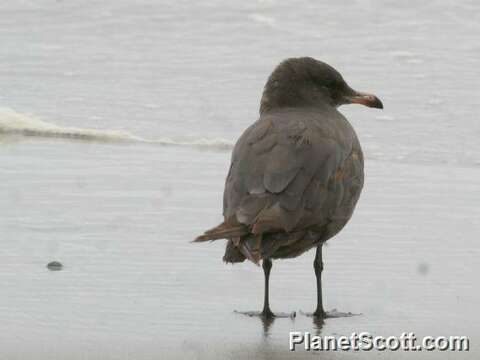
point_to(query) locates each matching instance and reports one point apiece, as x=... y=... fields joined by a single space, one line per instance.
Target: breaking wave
x=20 y=124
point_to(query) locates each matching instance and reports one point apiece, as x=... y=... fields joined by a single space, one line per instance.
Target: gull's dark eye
x=336 y=90
x=332 y=83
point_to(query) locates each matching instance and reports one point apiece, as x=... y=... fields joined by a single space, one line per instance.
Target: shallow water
x=110 y=198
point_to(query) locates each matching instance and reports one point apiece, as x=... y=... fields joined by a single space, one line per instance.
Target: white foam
x=12 y=122
x=215 y=143
x=435 y=101
x=403 y=54
x=15 y=123
x=262 y=19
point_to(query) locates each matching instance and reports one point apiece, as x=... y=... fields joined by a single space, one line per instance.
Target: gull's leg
x=318 y=267
x=266 y=312
x=267 y=266
x=319 y=312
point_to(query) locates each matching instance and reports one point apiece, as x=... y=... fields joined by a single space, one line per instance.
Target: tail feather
x=250 y=253
x=223 y=231
x=247 y=245
x=232 y=252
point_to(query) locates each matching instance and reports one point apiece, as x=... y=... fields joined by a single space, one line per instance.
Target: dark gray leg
x=318 y=267
x=267 y=266
x=320 y=313
x=267 y=313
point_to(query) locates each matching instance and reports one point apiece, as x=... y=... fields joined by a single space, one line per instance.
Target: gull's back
x=294 y=180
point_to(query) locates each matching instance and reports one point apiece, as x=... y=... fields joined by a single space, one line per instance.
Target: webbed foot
x=267 y=314
x=329 y=314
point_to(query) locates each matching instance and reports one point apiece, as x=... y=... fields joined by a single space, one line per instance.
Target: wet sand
x=133 y=287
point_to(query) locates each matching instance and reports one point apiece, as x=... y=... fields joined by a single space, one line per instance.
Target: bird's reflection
x=318 y=323
x=267 y=323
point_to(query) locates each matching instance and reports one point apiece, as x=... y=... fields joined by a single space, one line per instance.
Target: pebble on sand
x=55 y=266
x=423 y=268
